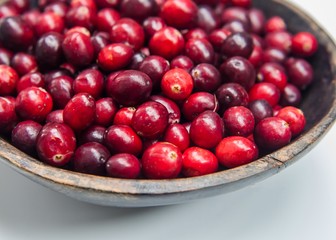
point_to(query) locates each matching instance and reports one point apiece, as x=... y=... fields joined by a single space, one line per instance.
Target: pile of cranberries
x=151 y=89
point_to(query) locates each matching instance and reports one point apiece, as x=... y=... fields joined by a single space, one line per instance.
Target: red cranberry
x=106 y=108
x=177 y=84
x=136 y=60
x=291 y=96
x=195 y=33
x=237 y=44
x=151 y=25
x=61 y=90
x=7 y=11
x=107 y=3
x=162 y=160
x=231 y=14
x=138 y=9
x=91 y=158
x=207 y=130
x=15 y=34
x=56 y=144
x=179 y=13
x=178 y=135
x=124 y=116
x=236 y=26
x=275 y=24
x=182 y=62
x=115 y=56
x=295 y=119
x=174 y=114
x=198 y=161
x=206 y=18
x=30 y=80
x=31 y=17
x=167 y=42
x=55 y=116
x=236 y=151
x=217 y=38
x=206 y=77
x=123 y=165
x=24 y=63
x=81 y=16
x=8 y=80
x=90 y=81
x=241 y=3
x=79 y=113
x=106 y=18
x=94 y=133
x=200 y=51
x=24 y=136
x=281 y=40
x=231 y=94
x=5 y=56
x=88 y=3
x=7 y=113
x=256 y=57
x=304 y=44
x=33 y=103
x=260 y=109
x=272 y=54
x=129 y=32
x=267 y=91
x=78 y=49
x=49 y=22
x=150 y=120
x=130 y=87
x=257 y=20
x=239 y=121
x=79 y=29
x=59 y=8
x=300 y=72
x=273 y=73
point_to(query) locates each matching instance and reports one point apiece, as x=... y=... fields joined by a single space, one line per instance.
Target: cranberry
x=236 y=151
x=237 y=44
x=281 y=40
x=30 y=80
x=88 y=3
x=81 y=16
x=167 y=42
x=61 y=90
x=177 y=84
x=304 y=44
x=78 y=49
x=115 y=56
x=151 y=25
x=295 y=119
x=8 y=80
x=107 y=3
x=49 y=22
x=150 y=120
x=90 y=81
x=7 y=113
x=200 y=51
x=206 y=77
x=267 y=91
x=20 y=5
x=182 y=62
x=55 y=116
x=256 y=57
x=15 y=34
x=174 y=114
x=56 y=144
x=24 y=136
x=260 y=109
x=240 y=14
x=206 y=18
x=195 y=33
x=24 y=63
x=231 y=94
x=7 y=11
x=239 y=121
x=106 y=18
x=59 y=8
x=178 y=135
x=236 y=26
x=217 y=38
x=272 y=54
x=31 y=17
x=198 y=161
x=91 y=158
x=94 y=133
x=162 y=160
x=5 y=56
x=79 y=113
x=124 y=116
x=79 y=29
x=291 y=96
x=106 y=108
x=33 y=103
x=100 y=40
x=257 y=20
x=300 y=72
x=273 y=73
x=138 y=9
x=275 y=24
x=207 y=130
x=123 y=165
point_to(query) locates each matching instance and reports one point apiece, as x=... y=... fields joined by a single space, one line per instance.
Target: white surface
x=298 y=203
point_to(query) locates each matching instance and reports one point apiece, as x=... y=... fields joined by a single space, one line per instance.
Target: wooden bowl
x=318 y=105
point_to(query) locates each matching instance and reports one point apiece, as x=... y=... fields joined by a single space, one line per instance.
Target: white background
x=298 y=203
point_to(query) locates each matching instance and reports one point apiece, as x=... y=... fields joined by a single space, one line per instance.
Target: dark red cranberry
x=15 y=34
x=89 y=81
x=129 y=32
x=61 y=90
x=238 y=70
x=182 y=62
x=258 y=41
x=106 y=108
x=150 y=120
x=48 y=51
x=59 y=8
x=56 y=144
x=115 y=56
x=272 y=54
x=267 y=91
x=7 y=11
x=91 y=158
x=8 y=116
x=5 y=56
x=123 y=165
x=257 y=56
x=24 y=136
x=206 y=18
x=155 y=67
x=162 y=160
x=78 y=49
x=124 y=116
x=106 y=18
x=33 y=103
x=241 y=3
x=281 y=40
x=231 y=94
x=209 y=2
x=295 y=119
x=122 y=139
x=300 y=72
x=55 y=116
x=130 y=87
x=31 y=17
x=107 y=3
x=178 y=135
x=100 y=40
x=167 y=43
x=177 y=84
x=291 y=96
x=275 y=24
x=239 y=121
x=30 y=80
x=24 y=63
x=272 y=133
x=236 y=26
x=94 y=133
x=79 y=113
x=237 y=44
x=197 y=103
x=200 y=51
x=304 y=44
x=49 y=22
x=257 y=20
x=138 y=9
x=151 y=25
x=172 y=108
x=273 y=73
x=207 y=130
x=236 y=14
x=260 y=109
x=81 y=16
x=79 y=29
x=179 y=13
x=236 y=151
x=217 y=38
x=195 y=33
x=206 y=77
x=198 y=161
x=136 y=60
x=8 y=80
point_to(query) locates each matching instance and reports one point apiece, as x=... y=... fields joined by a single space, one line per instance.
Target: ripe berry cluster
x=152 y=89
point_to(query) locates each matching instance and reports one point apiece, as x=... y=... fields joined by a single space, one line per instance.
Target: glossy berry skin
x=257 y=20
x=91 y=158
x=260 y=109
x=198 y=162
x=123 y=165
x=106 y=109
x=5 y=56
x=153 y=24
x=239 y=121
x=275 y=24
x=33 y=103
x=273 y=54
x=82 y=16
x=291 y=96
x=49 y=22
x=280 y=39
x=236 y=151
x=178 y=135
x=300 y=72
x=295 y=119
x=206 y=77
x=90 y=81
x=24 y=136
x=231 y=94
x=182 y=62
x=138 y=9
x=200 y=50
x=272 y=133
x=78 y=49
x=8 y=80
x=61 y=90
x=266 y=91
x=129 y=88
x=55 y=116
x=304 y=44
x=115 y=56
x=162 y=160
x=24 y=63
x=94 y=133
x=79 y=112
x=30 y=80
x=195 y=33
x=234 y=13
x=150 y=120
x=273 y=73
x=167 y=43
x=207 y=130
x=237 y=44
x=174 y=113
x=7 y=11
x=217 y=37
x=177 y=84
x=207 y=19
x=8 y=115
x=56 y=144
x=122 y=139
x=106 y=18
x=59 y=8
x=124 y=116
x=179 y=13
